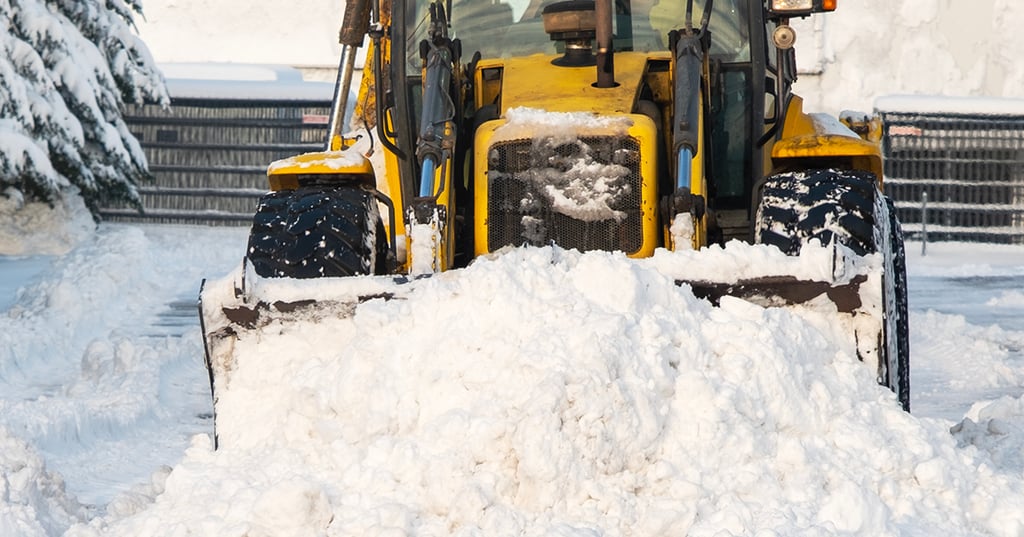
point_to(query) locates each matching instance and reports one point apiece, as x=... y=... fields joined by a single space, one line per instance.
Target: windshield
x=514 y=28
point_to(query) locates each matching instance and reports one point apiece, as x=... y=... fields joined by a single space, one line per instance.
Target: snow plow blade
x=831 y=279
x=242 y=303
x=774 y=291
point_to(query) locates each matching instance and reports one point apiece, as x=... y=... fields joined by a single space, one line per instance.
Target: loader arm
x=430 y=215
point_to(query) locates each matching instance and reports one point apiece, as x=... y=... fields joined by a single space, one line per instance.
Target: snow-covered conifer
x=66 y=68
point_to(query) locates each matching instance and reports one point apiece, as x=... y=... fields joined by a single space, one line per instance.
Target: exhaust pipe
x=605 y=54
x=354 y=27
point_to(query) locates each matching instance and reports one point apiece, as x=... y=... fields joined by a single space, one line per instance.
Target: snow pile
x=92 y=381
x=921 y=47
x=1009 y=299
x=537 y=392
x=32 y=500
x=544 y=392
x=996 y=427
x=36 y=228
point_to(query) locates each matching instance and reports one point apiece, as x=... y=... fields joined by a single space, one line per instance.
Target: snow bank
x=36 y=228
x=920 y=47
x=997 y=428
x=543 y=392
x=33 y=501
x=91 y=379
x=959 y=259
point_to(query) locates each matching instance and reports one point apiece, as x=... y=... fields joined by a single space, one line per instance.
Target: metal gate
x=970 y=165
x=209 y=157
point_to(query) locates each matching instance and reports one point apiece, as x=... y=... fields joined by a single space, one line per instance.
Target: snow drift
x=544 y=392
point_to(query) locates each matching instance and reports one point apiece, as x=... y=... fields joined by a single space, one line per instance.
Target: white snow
x=929 y=104
x=242 y=81
x=564 y=170
x=522 y=122
x=681 y=232
x=537 y=392
x=425 y=238
x=36 y=228
x=1009 y=299
x=346 y=160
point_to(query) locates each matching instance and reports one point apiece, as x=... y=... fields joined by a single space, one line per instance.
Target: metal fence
x=969 y=167
x=209 y=157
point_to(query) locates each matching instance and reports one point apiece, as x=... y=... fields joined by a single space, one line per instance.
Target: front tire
x=897 y=314
x=316 y=232
x=845 y=207
x=825 y=205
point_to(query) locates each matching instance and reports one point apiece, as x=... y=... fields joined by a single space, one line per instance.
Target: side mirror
x=784 y=9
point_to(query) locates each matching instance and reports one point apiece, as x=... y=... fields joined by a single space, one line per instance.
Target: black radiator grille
x=531 y=183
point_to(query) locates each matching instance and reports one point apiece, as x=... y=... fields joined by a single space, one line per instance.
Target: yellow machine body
x=535 y=81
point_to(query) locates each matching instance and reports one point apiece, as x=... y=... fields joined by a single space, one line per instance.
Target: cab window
x=515 y=28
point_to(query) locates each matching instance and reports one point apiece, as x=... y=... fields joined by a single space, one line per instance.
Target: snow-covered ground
x=538 y=393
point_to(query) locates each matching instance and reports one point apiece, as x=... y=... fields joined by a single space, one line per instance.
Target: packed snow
x=537 y=392
x=35 y=228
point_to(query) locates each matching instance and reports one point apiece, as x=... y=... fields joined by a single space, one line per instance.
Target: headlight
x=800 y=8
x=792 y=5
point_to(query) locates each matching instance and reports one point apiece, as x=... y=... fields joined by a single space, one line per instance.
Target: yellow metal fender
x=343 y=165
x=823 y=137
x=349 y=164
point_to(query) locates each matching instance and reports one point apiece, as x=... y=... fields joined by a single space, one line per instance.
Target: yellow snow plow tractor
x=632 y=126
